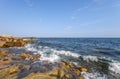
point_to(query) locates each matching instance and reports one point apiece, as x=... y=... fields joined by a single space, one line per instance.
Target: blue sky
x=60 y=18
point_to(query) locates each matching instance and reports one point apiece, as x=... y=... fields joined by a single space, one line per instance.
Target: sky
x=60 y=18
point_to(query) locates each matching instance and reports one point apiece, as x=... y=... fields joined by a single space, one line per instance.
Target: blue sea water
x=108 y=47
x=100 y=55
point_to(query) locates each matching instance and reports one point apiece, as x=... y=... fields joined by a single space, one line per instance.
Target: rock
x=23 y=66
x=2 y=43
x=81 y=77
x=60 y=73
x=68 y=76
x=16 y=58
x=76 y=71
x=3 y=53
x=7 y=61
x=37 y=56
x=26 y=55
x=39 y=76
x=11 y=42
x=9 y=73
x=8 y=44
x=2 y=64
x=83 y=69
x=13 y=70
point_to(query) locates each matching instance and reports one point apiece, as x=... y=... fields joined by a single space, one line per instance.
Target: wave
x=54 y=55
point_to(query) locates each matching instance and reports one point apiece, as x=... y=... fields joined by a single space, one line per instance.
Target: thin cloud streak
x=76 y=11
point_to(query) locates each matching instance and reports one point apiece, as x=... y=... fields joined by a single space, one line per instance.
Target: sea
x=101 y=56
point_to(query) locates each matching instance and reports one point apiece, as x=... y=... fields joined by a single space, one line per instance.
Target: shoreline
x=27 y=65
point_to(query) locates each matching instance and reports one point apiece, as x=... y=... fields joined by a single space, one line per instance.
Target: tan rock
x=67 y=76
x=16 y=58
x=6 y=61
x=39 y=76
x=26 y=56
x=83 y=69
x=60 y=73
x=2 y=43
x=9 y=73
x=81 y=77
x=3 y=53
x=13 y=70
x=76 y=71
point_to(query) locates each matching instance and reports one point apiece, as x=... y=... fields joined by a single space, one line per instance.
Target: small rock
x=16 y=58
x=76 y=71
x=60 y=73
x=3 y=53
x=13 y=70
x=83 y=69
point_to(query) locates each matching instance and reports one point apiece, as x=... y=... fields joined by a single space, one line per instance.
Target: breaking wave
x=95 y=63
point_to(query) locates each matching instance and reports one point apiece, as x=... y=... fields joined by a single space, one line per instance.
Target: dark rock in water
x=102 y=66
x=80 y=58
x=41 y=67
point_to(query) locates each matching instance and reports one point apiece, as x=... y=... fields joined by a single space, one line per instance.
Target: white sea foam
x=53 y=55
x=115 y=67
x=90 y=58
x=50 y=54
x=93 y=75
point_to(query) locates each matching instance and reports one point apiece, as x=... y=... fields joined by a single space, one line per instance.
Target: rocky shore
x=27 y=65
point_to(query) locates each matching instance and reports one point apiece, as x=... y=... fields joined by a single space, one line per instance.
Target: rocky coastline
x=26 y=65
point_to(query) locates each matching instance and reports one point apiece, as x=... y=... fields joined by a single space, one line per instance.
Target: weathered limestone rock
x=9 y=73
x=83 y=69
x=60 y=73
x=16 y=58
x=2 y=43
x=3 y=53
x=11 y=42
x=39 y=76
x=25 y=55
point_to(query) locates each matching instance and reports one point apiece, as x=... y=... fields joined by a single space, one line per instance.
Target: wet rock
x=41 y=67
x=37 y=56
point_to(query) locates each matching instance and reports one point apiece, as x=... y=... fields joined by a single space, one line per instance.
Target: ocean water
x=100 y=55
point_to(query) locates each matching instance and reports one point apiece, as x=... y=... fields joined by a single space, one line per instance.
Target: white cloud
x=76 y=11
